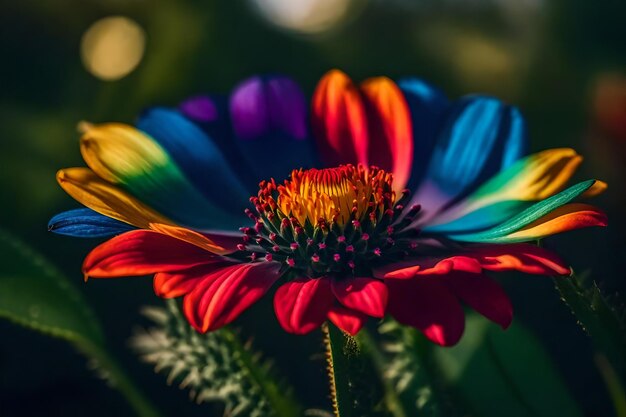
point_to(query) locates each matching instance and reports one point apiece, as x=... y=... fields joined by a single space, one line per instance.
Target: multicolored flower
x=397 y=201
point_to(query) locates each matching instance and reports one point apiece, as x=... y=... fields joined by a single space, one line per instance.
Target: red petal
x=483 y=295
x=224 y=293
x=302 y=305
x=429 y=306
x=366 y=295
x=521 y=257
x=143 y=252
x=428 y=266
x=349 y=321
x=176 y=284
x=390 y=130
x=338 y=120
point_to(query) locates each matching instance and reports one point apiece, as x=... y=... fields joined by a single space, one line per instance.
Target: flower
x=398 y=203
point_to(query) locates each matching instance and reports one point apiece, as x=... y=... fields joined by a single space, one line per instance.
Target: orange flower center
x=335 y=195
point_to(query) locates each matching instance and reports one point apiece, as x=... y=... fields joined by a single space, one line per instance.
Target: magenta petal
x=348 y=320
x=484 y=295
x=302 y=305
x=366 y=295
x=427 y=305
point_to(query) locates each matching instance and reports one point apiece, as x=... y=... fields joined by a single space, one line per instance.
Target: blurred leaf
x=504 y=373
x=214 y=366
x=596 y=316
x=35 y=295
x=404 y=365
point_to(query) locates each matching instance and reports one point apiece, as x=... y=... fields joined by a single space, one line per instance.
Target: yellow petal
x=118 y=152
x=598 y=188
x=99 y=195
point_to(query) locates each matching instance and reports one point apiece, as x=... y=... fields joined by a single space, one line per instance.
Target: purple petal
x=249 y=109
x=261 y=106
x=200 y=109
x=288 y=107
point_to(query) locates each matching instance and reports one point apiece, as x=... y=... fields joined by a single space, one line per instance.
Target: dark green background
x=543 y=56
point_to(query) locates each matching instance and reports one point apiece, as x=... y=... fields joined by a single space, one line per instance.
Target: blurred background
x=563 y=62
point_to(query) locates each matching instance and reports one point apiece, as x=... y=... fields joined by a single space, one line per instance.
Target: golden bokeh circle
x=112 y=47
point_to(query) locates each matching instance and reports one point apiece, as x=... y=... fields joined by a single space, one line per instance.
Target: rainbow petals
x=121 y=154
x=513 y=190
x=200 y=160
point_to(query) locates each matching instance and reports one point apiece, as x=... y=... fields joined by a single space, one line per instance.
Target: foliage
x=497 y=373
x=35 y=295
x=214 y=366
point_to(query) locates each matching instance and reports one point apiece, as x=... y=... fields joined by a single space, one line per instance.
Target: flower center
x=330 y=221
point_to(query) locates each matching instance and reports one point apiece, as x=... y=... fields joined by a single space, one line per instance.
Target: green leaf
x=35 y=295
x=536 y=211
x=214 y=366
x=504 y=373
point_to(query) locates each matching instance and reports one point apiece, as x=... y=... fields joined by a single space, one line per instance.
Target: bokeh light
x=609 y=104
x=113 y=47
x=305 y=16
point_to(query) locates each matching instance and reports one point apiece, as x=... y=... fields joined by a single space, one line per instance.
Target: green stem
x=340 y=350
x=121 y=381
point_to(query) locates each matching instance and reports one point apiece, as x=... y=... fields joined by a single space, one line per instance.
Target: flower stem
x=340 y=348
x=354 y=386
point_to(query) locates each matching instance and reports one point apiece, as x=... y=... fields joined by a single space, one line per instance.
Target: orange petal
x=390 y=129
x=339 y=122
x=189 y=236
x=565 y=218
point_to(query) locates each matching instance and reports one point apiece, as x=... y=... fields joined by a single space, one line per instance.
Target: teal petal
x=536 y=211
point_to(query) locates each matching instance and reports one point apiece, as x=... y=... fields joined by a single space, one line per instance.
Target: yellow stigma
x=335 y=194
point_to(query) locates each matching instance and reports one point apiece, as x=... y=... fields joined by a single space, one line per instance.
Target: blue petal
x=481 y=136
x=84 y=222
x=516 y=139
x=198 y=157
x=428 y=107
